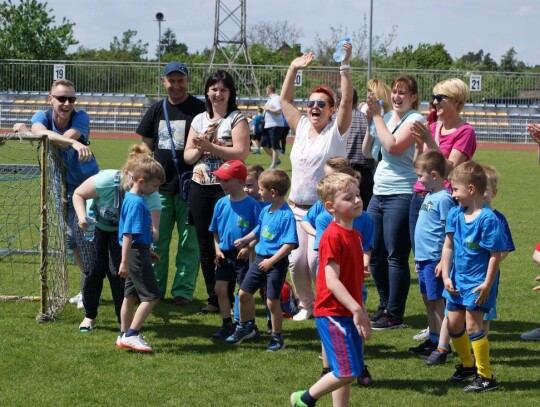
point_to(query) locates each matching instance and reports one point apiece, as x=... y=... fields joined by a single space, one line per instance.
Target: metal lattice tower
x=230 y=40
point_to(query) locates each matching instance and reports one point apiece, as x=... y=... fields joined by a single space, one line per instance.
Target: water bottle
x=340 y=53
x=91 y=228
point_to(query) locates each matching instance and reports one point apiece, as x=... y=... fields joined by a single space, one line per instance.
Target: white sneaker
x=119 y=342
x=80 y=304
x=303 y=315
x=422 y=335
x=136 y=343
x=76 y=299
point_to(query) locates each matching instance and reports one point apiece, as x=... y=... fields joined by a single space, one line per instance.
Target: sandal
x=209 y=309
x=87 y=328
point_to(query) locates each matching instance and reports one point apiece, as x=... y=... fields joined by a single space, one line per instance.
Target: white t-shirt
x=273 y=119
x=308 y=157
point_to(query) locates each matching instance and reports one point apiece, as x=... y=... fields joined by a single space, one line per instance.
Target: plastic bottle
x=340 y=53
x=91 y=228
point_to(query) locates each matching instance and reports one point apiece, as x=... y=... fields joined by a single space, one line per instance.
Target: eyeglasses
x=319 y=103
x=64 y=99
x=439 y=97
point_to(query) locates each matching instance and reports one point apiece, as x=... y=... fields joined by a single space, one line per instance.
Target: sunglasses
x=64 y=99
x=319 y=103
x=439 y=97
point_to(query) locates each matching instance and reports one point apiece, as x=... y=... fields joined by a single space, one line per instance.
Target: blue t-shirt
x=233 y=220
x=473 y=242
x=258 y=123
x=363 y=224
x=429 y=233
x=313 y=212
x=274 y=229
x=135 y=220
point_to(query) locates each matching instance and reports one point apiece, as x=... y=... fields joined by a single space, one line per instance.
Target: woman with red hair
x=317 y=138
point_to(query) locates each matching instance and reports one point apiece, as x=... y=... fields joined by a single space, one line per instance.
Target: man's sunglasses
x=439 y=97
x=64 y=99
x=320 y=103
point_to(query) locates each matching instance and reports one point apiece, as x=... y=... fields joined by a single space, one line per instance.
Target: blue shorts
x=343 y=345
x=272 y=279
x=452 y=306
x=231 y=269
x=429 y=284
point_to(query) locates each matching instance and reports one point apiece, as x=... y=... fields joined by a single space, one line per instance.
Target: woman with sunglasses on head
x=317 y=137
x=389 y=206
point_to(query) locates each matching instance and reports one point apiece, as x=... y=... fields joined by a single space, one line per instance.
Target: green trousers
x=174 y=210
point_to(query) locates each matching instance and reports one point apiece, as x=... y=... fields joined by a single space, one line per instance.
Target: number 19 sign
x=59 y=72
x=475 y=83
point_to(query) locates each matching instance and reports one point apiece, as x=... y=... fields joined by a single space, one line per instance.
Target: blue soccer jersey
x=135 y=220
x=363 y=224
x=275 y=229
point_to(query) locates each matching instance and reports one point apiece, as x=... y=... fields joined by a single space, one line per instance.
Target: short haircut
x=455 y=89
x=148 y=169
x=431 y=160
x=470 y=173
x=492 y=176
x=275 y=179
x=410 y=84
x=62 y=82
x=329 y=186
x=255 y=169
x=337 y=162
x=327 y=91
x=260 y=109
x=271 y=88
x=353 y=173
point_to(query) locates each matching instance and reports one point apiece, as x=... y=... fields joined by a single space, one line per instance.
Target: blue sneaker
x=276 y=343
x=223 y=332
x=242 y=333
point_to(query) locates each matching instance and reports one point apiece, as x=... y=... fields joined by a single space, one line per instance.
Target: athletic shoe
x=75 y=299
x=387 y=321
x=296 y=400
x=118 y=342
x=437 y=357
x=365 y=379
x=481 y=384
x=276 y=343
x=422 y=335
x=80 y=304
x=136 y=343
x=378 y=315
x=533 y=335
x=242 y=333
x=224 y=332
x=256 y=151
x=424 y=349
x=303 y=315
x=462 y=373
x=180 y=301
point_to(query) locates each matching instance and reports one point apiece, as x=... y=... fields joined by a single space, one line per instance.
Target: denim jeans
x=392 y=246
x=414 y=211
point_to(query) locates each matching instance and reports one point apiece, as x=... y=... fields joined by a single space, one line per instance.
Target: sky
x=461 y=25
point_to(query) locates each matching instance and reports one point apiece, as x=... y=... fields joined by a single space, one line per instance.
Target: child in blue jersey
x=135 y=236
x=341 y=319
x=429 y=237
x=276 y=232
x=470 y=260
x=235 y=215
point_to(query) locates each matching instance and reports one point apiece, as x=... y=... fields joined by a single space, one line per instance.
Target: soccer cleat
x=422 y=335
x=303 y=315
x=437 y=357
x=242 y=333
x=533 y=335
x=424 y=349
x=223 y=332
x=378 y=314
x=365 y=379
x=387 y=321
x=136 y=343
x=296 y=400
x=75 y=299
x=481 y=384
x=276 y=343
x=462 y=373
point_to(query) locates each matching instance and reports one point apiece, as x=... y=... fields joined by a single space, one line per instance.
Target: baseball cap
x=232 y=169
x=175 y=67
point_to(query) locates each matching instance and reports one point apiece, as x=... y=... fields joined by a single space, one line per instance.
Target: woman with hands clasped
x=317 y=138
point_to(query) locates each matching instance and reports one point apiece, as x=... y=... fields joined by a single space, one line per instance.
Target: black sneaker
x=365 y=379
x=424 y=349
x=437 y=357
x=481 y=384
x=462 y=373
x=387 y=321
x=380 y=312
x=224 y=332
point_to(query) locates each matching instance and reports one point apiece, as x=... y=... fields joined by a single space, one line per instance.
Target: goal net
x=33 y=241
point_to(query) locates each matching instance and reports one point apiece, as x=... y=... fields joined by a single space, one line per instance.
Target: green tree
x=169 y=45
x=27 y=31
x=425 y=56
x=128 y=47
x=476 y=61
x=509 y=63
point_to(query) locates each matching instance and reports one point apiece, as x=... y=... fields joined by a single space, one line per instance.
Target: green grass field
x=54 y=365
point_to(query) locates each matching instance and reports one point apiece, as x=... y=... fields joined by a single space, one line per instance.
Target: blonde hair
x=492 y=176
x=455 y=89
x=275 y=179
x=149 y=169
x=469 y=173
x=382 y=92
x=329 y=186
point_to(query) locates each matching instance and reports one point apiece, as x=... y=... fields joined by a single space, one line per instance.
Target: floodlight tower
x=230 y=40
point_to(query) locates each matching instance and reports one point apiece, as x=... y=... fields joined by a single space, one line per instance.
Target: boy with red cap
x=235 y=215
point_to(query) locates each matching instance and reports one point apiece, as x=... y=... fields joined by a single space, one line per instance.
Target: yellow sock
x=463 y=349
x=481 y=354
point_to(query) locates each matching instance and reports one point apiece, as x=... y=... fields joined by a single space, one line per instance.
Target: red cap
x=232 y=169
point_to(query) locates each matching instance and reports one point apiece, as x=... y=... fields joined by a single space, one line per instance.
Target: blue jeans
x=414 y=211
x=390 y=254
